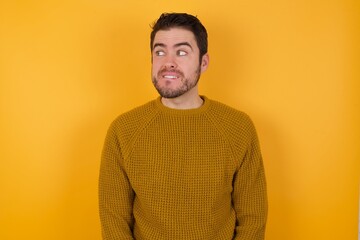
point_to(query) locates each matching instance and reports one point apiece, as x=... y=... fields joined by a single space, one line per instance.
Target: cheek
x=154 y=69
x=155 y=66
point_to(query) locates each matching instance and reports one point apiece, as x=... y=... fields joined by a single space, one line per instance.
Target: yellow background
x=68 y=68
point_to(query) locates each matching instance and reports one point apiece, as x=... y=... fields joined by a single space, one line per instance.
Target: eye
x=181 y=53
x=159 y=53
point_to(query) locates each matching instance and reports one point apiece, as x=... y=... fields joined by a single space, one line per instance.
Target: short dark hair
x=189 y=22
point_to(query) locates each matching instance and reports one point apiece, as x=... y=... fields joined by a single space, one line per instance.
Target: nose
x=170 y=62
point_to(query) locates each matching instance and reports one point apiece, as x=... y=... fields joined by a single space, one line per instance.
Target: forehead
x=173 y=36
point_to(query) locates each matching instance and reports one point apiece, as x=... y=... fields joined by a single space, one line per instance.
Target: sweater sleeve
x=115 y=193
x=249 y=193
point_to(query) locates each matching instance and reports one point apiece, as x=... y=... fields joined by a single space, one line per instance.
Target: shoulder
x=226 y=115
x=235 y=125
x=134 y=119
x=137 y=113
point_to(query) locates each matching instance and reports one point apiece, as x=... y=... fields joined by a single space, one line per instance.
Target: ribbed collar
x=194 y=111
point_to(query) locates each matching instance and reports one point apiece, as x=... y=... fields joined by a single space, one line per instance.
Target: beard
x=186 y=85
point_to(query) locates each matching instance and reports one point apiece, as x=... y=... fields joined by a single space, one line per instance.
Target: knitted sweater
x=182 y=174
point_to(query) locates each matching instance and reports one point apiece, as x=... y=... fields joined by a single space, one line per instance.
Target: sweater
x=182 y=174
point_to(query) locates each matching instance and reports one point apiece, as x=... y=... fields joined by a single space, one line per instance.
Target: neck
x=185 y=101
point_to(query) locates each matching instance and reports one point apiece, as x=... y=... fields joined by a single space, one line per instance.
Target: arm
x=249 y=195
x=115 y=193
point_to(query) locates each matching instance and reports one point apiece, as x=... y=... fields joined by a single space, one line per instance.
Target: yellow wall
x=67 y=68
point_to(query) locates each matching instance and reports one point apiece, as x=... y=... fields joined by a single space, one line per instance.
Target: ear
x=204 y=62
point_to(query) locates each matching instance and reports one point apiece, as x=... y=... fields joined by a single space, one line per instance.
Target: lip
x=169 y=75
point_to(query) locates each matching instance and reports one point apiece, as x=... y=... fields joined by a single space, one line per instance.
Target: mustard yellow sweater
x=182 y=174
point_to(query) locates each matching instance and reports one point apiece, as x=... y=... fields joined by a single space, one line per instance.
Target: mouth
x=169 y=76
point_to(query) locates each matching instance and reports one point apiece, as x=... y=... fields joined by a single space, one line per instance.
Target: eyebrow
x=176 y=45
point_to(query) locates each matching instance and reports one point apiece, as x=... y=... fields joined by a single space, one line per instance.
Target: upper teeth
x=169 y=76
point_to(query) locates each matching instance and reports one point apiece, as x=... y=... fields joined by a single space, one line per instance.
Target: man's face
x=175 y=62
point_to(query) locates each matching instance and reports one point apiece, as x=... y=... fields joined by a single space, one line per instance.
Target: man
x=182 y=166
